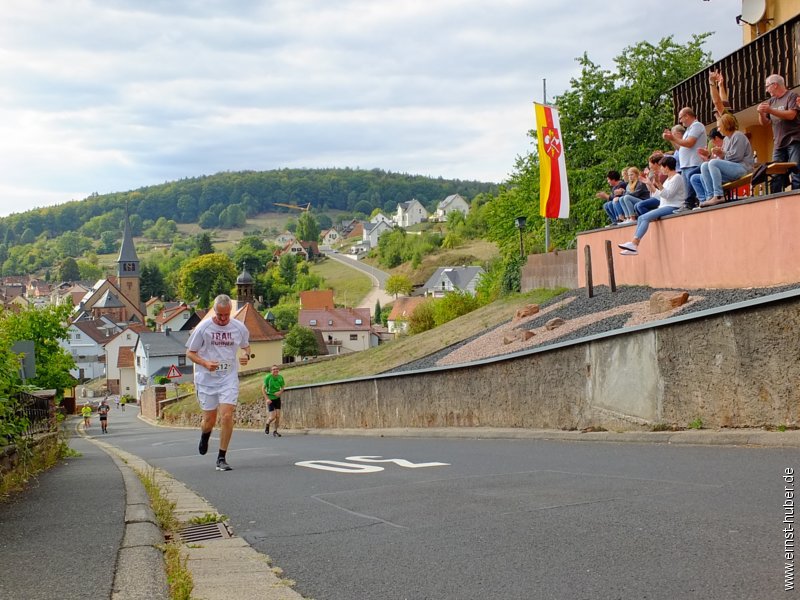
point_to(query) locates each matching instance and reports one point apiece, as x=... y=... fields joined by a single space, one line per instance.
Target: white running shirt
x=219 y=344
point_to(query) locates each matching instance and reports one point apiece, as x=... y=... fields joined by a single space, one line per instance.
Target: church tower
x=128 y=272
x=245 y=288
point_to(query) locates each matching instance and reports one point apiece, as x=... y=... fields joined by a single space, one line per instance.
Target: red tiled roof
x=336 y=319
x=403 y=307
x=259 y=328
x=316 y=299
x=125 y=357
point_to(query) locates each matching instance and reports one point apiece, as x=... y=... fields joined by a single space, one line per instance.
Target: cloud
x=111 y=95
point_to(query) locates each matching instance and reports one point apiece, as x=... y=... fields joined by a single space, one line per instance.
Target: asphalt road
x=505 y=519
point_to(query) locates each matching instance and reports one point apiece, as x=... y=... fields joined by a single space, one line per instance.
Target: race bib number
x=223 y=367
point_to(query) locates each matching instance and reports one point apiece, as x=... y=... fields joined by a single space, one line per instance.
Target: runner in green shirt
x=272 y=391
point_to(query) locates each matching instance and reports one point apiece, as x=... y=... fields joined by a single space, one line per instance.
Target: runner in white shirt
x=212 y=348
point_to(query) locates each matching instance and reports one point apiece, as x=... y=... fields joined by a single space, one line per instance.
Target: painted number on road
x=353 y=468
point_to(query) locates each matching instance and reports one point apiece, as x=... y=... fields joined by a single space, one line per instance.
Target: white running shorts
x=211 y=398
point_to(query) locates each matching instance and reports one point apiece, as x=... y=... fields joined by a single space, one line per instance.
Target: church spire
x=128 y=265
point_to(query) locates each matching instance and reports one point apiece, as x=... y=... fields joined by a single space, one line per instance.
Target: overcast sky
x=111 y=95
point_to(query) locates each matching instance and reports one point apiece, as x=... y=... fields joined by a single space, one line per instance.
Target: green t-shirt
x=273 y=385
x=86 y=411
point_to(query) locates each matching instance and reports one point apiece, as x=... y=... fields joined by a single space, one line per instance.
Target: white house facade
x=410 y=213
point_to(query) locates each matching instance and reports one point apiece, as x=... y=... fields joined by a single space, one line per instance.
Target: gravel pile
x=580 y=306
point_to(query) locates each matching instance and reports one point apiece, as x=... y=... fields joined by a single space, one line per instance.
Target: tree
x=288 y=268
x=307 y=228
x=285 y=315
x=378 y=311
x=204 y=245
x=151 y=282
x=208 y=220
x=201 y=276
x=107 y=243
x=89 y=271
x=300 y=341
x=69 y=270
x=399 y=284
x=46 y=327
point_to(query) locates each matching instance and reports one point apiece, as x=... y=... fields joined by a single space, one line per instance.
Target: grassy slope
x=349 y=285
x=473 y=252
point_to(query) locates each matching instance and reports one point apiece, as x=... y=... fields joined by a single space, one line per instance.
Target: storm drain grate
x=206 y=531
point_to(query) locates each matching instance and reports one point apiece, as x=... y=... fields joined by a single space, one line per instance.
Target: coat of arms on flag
x=553 y=189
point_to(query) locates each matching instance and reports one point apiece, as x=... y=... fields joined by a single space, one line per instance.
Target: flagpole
x=546 y=220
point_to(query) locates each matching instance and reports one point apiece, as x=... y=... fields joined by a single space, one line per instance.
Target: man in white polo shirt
x=212 y=348
x=689 y=160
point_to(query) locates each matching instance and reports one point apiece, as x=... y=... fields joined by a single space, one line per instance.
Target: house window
x=330 y=321
x=186 y=315
x=77 y=336
x=358 y=321
x=312 y=322
x=138 y=361
x=181 y=361
x=127 y=336
x=353 y=337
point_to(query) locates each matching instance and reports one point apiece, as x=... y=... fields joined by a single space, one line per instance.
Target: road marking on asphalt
x=358 y=469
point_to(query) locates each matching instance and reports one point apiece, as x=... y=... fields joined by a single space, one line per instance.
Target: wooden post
x=612 y=282
x=587 y=252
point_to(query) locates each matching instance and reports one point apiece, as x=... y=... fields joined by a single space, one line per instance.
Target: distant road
x=376 y=274
x=378 y=277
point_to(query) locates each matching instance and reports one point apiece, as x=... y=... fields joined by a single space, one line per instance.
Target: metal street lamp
x=520 y=224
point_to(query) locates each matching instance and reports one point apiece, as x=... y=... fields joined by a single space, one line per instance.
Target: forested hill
x=188 y=200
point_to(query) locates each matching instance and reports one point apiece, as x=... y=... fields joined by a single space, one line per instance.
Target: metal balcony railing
x=745 y=70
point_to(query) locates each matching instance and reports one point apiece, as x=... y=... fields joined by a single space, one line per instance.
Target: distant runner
x=272 y=391
x=103 y=411
x=86 y=411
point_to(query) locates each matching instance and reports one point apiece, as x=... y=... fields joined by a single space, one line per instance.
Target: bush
x=422 y=318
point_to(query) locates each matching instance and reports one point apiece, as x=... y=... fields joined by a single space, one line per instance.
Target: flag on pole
x=553 y=190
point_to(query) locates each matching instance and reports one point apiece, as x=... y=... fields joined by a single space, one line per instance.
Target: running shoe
x=203 y=447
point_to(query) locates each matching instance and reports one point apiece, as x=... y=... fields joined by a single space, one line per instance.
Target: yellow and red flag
x=553 y=190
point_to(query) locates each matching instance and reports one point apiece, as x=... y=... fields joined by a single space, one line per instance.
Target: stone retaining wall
x=730 y=369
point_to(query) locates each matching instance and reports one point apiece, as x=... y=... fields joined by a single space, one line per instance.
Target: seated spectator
x=671 y=197
x=654 y=180
x=634 y=192
x=617 y=190
x=716 y=140
x=737 y=162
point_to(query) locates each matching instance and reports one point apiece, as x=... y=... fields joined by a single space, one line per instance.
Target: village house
x=451 y=279
x=343 y=329
x=329 y=237
x=410 y=213
x=401 y=312
x=453 y=202
x=373 y=232
x=156 y=352
x=120 y=374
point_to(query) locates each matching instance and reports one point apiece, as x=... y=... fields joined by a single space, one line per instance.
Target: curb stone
x=221 y=569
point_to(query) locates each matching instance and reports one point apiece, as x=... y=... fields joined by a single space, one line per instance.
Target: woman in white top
x=671 y=197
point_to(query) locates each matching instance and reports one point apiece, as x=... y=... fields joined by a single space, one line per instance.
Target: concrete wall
x=753 y=243
x=731 y=369
x=557 y=269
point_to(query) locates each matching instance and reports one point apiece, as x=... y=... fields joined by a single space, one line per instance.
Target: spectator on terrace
x=738 y=161
x=653 y=179
x=716 y=140
x=781 y=110
x=687 y=146
x=617 y=190
x=672 y=196
x=634 y=192
x=719 y=94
